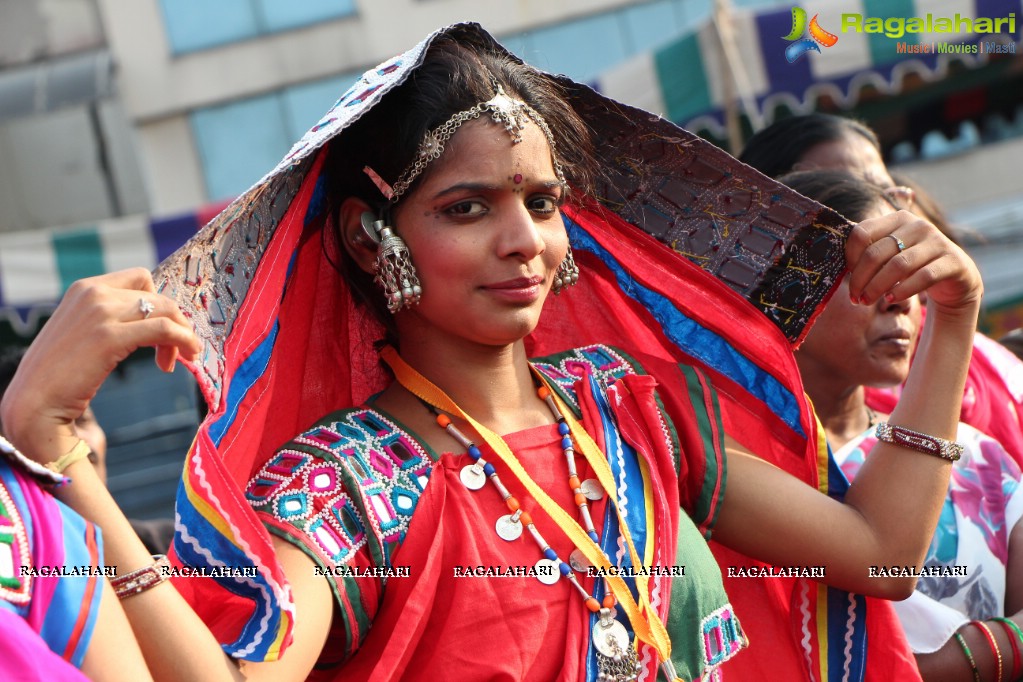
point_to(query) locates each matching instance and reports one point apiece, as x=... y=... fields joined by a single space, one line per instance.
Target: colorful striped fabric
x=37 y=267
x=684 y=80
x=38 y=533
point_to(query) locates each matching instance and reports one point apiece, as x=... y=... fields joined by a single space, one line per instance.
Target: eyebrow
x=485 y=187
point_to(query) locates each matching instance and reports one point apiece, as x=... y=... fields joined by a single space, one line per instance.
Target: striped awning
x=37 y=266
x=686 y=79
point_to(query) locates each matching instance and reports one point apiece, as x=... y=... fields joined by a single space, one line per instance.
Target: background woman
x=994 y=385
x=979 y=530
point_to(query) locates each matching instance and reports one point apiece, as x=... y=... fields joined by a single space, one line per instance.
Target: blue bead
x=550 y=554
x=566 y=443
x=563 y=428
x=565 y=568
x=474 y=452
x=489 y=469
x=593 y=535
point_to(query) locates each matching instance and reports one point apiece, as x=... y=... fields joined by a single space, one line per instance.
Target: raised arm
x=100 y=321
x=892 y=508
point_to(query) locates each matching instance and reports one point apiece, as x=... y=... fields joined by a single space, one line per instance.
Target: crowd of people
x=443 y=443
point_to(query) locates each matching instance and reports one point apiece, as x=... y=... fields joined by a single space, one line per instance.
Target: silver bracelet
x=141 y=579
x=921 y=442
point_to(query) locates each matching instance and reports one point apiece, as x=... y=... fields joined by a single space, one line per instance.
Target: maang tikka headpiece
x=512 y=113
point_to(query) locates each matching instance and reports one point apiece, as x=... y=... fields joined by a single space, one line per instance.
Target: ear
x=359 y=246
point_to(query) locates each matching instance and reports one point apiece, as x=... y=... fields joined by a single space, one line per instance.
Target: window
x=200 y=24
x=238 y=142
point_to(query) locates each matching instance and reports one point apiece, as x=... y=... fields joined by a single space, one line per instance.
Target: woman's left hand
x=900 y=254
x=99 y=322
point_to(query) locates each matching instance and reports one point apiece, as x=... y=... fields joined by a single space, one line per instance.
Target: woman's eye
x=543 y=205
x=467 y=208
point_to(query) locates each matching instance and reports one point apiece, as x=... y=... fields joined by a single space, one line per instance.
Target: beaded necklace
x=644 y=619
x=616 y=655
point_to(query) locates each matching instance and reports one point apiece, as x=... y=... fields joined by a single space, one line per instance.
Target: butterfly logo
x=799 y=44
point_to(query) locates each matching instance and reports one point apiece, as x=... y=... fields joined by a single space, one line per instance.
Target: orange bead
x=580 y=499
x=543 y=392
x=443 y=420
x=573 y=482
x=592 y=604
x=609 y=601
x=525 y=518
x=512 y=503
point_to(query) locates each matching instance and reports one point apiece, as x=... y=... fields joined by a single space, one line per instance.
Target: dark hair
x=925 y=205
x=849 y=194
x=457 y=73
x=776 y=149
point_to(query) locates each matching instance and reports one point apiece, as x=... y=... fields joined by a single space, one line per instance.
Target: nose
x=904 y=306
x=521 y=235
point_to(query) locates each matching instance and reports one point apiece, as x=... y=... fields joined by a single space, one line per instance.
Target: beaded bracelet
x=1014 y=633
x=990 y=637
x=969 y=657
x=142 y=579
x=921 y=442
x=81 y=450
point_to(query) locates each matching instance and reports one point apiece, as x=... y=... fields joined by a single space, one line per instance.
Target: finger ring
x=146 y=308
x=898 y=242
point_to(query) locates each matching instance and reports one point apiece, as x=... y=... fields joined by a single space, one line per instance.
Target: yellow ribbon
x=644 y=619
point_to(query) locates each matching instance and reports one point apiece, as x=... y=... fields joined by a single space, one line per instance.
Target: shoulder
x=353 y=477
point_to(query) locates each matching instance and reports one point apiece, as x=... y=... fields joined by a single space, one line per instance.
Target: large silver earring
x=567 y=273
x=394 y=271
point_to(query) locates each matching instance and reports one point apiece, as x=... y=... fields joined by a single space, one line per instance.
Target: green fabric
x=692 y=600
x=683 y=78
x=79 y=254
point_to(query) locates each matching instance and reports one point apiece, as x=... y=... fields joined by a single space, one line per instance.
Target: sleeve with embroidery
x=344 y=492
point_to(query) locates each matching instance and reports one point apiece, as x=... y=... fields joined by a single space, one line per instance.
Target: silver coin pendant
x=591 y=489
x=472 y=477
x=547 y=571
x=508 y=529
x=610 y=639
x=578 y=561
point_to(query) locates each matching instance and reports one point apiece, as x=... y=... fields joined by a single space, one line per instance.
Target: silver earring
x=395 y=273
x=567 y=273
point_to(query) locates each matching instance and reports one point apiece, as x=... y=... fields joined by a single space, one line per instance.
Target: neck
x=842 y=411
x=492 y=384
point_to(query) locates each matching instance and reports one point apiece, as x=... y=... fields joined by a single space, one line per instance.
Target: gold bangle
x=81 y=450
x=142 y=579
x=990 y=637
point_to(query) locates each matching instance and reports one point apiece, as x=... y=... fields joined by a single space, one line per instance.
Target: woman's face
x=484 y=231
x=860 y=345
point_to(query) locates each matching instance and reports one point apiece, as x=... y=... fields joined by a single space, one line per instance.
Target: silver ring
x=898 y=242
x=146 y=308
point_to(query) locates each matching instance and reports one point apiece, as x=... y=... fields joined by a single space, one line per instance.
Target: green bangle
x=969 y=657
x=1011 y=624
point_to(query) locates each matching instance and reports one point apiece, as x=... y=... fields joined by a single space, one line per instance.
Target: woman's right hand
x=928 y=262
x=99 y=322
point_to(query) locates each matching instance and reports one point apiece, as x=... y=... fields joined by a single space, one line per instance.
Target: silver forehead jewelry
x=513 y=113
x=146 y=308
x=567 y=273
x=394 y=271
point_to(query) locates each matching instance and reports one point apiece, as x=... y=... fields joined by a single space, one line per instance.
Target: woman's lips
x=520 y=289
x=898 y=339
